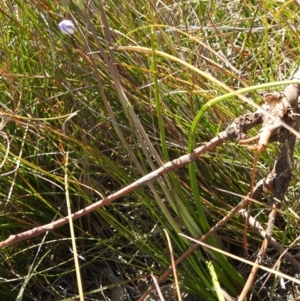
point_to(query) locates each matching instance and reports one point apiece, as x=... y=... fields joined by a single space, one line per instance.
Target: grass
x=120 y=113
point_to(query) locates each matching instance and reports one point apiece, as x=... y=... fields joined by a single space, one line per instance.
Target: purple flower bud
x=67 y=27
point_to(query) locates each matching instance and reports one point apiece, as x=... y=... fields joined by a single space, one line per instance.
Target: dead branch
x=151 y=177
x=282 y=106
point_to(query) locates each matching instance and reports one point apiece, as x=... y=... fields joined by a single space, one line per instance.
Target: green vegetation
x=85 y=116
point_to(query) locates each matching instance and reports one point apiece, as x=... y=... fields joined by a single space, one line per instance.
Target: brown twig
x=151 y=177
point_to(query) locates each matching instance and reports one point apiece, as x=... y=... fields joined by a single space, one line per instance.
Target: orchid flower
x=67 y=27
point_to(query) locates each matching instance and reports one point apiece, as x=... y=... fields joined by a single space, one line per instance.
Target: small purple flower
x=67 y=27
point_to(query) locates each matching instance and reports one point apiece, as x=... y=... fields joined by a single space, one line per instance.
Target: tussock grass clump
x=110 y=104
